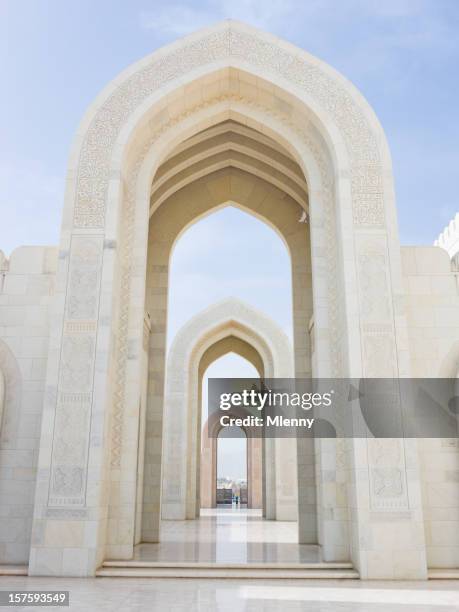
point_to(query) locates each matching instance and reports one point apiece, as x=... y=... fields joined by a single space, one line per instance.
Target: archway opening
x=232 y=484
x=235 y=228
x=232 y=475
x=307 y=120
x=229 y=252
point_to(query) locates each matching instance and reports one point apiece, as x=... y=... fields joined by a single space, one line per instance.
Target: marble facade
x=228 y=114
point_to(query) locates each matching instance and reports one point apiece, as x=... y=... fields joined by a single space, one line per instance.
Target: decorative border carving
x=308 y=76
x=284 y=64
x=376 y=311
x=65 y=514
x=361 y=143
x=76 y=373
x=94 y=162
x=387 y=475
x=127 y=248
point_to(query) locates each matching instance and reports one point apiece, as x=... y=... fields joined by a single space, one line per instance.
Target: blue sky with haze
x=56 y=56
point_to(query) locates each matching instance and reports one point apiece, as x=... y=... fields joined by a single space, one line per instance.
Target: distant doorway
x=231 y=465
x=231 y=475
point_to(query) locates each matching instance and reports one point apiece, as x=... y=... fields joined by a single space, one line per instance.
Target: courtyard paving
x=143 y=594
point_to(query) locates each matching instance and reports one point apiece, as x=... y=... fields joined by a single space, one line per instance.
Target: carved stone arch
x=227 y=72
x=229 y=317
x=207 y=472
x=208 y=468
x=232 y=344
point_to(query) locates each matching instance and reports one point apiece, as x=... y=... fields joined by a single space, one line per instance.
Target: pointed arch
x=318 y=121
x=228 y=318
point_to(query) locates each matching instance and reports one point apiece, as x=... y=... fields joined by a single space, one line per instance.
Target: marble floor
x=172 y=595
x=228 y=535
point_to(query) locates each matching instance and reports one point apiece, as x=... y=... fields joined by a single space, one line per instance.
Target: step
x=225 y=564
x=14 y=570
x=443 y=574
x=223 y=570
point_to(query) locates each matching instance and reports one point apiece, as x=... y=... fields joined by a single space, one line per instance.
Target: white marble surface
x=229 y=535
x=143 y=594
x=372 y=316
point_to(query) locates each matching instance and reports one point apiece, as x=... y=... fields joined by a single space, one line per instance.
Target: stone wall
x=26 y=283
x=432 y=305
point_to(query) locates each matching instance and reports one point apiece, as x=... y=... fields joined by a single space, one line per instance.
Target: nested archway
x=209 y=465
x=184 y=206
x=190 y=352
x=212 y=428
x=226 y=73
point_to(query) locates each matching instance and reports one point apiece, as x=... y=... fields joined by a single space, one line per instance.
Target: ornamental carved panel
x=376 y=309
x=387 y=475
x=283 y=64
x=76 y=373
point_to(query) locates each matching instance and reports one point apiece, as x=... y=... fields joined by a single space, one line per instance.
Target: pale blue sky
x=56 y=55
x=230 y=253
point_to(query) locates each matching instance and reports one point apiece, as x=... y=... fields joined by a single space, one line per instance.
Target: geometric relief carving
x=126 y=249
x=84 y=277
x=76 y=372
x=366 y=178
x=93 y=170
x=71 y=423
x=362 y=146
x=367 y=195
x=385 y=452
x=373 y=281
x=65 y=514
x=72 y=327
x=363 y=149
x=82 y=300
x=70 y=450
x=377 y=327
x=77 y=363
x=307 y=76
x=347 y=115
x=303 y=73
x=368 y=209
x=68 y=480
x=387 y=470
x=387 y=482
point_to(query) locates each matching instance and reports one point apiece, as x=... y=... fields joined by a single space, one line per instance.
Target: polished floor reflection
x=140 y=595
x=228 y=535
